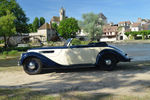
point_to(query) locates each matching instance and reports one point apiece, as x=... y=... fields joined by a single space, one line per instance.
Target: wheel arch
x=29 y=58
x=44 y=60
x=114 y=53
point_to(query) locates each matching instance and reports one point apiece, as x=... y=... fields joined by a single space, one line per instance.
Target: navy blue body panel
x=45 y=61
x=120 y=57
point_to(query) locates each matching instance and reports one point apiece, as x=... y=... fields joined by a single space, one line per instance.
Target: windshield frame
x=68 y=42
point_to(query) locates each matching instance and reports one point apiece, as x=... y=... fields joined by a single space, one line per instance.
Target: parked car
x=99 y=54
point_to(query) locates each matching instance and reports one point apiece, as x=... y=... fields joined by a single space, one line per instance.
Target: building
x=109 y=33
x=143 y=21
x=62 y=15
x=45 y=32
x=122 y=28
x=125 y=24
x=136 y=27
x=102 y=18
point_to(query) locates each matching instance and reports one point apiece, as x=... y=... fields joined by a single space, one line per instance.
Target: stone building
x=62 y=15
x=45 y=32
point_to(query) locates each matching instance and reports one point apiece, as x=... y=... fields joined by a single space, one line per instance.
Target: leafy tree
x=127 y=34
x=7 y=26
x=91 y=25
x=21 y=19
x=68 y=28
x=55 y=26
x=30 y=28
x=35 y=24
x=42 y=21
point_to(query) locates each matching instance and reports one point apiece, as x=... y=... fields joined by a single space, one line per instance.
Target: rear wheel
x=32 y=66
x=108 y=62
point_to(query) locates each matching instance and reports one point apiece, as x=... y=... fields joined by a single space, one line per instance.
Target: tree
x=42 y=21
x=127 y=34
x=35 y=24
x=30 y=28
x=21 y=19
x=55 y=27
x=68 y=28
x=91 y=25
x=7 y=26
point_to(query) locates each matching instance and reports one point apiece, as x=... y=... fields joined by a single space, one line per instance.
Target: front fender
x=45 y=61
x=119 y=56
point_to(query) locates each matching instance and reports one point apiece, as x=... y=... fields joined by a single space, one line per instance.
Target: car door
x=80 y=55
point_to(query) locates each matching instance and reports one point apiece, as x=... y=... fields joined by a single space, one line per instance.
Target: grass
x=27 y=94
x=101 y=96
x=24 y=94
x=9 y=64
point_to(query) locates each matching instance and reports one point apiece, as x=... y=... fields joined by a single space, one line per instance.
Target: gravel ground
x=125 y=79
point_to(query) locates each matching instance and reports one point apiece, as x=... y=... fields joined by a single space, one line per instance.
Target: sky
x=114 y=10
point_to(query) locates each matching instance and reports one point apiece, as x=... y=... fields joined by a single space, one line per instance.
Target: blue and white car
x=99 y=54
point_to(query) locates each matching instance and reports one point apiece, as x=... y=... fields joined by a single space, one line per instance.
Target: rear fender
x=118 y=55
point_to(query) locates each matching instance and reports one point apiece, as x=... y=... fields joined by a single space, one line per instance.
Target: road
x=139 y=52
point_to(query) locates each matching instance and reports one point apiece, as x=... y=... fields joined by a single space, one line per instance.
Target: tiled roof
x=45 y=26
x=136 y=24
x=109 y=28
x=55 y=19
x=125 y=22
x=146 y=26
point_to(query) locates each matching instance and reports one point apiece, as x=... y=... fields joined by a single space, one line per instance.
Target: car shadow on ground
x=120 y=66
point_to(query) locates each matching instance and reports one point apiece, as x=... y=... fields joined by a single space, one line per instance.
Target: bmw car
x=100 y=55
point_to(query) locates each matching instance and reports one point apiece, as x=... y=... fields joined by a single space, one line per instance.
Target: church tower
x=62 y=14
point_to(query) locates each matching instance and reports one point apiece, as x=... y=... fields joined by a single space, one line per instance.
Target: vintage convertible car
x=99 y=54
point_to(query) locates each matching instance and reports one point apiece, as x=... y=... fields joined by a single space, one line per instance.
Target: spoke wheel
x=32 y=66
x=108 y=62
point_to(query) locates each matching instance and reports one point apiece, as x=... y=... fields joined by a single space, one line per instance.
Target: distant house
x=146 y=26
x=136 y=27
x=122 y=28
x=109 y=33
x=143 y=21
x=125 y=24
x=44 y=33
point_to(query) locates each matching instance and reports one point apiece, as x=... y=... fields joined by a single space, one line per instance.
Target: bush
x=5 y=53
x=76 y=42
x=1 y=41
x=13 y=52
x=84 y=42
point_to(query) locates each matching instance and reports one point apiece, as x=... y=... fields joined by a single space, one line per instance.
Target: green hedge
x=16 y=48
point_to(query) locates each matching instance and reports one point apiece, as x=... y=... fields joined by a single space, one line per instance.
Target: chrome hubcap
x=31 y=65
x=108 y=62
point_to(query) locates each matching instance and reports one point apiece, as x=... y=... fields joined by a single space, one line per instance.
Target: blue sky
x=114 y=10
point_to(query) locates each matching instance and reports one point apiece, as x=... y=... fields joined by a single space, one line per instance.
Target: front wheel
x=108 y=62
x=32 y=66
